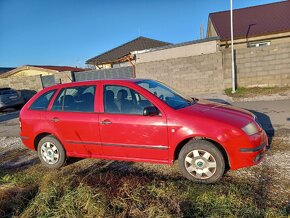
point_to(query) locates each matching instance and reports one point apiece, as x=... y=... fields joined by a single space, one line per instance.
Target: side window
x=42 y=102
x=123 y=100
x=75 y=99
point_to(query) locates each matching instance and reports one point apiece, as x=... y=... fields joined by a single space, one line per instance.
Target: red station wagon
x=143 y=121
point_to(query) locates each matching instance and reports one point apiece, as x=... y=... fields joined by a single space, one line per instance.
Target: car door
x=74 y=119
x=125 y=132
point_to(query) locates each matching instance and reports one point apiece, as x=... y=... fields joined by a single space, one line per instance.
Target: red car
x=143 y=121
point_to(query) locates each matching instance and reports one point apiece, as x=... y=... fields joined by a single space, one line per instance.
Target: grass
x=243 y=92
x=87 y=189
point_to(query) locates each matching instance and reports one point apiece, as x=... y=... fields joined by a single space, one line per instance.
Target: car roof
x=91 y=82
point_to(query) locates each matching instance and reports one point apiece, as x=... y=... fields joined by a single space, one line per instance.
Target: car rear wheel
x=201 y=161
x=51 y=152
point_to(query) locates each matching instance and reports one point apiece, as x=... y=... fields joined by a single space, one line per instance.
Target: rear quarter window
x=42 y=102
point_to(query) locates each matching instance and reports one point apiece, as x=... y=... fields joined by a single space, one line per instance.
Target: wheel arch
x=216 y=144
x=41 y=136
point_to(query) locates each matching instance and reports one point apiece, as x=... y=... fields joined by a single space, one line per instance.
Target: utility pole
x=233 y=55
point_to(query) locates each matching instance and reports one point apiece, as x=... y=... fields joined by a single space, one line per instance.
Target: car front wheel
x=201 y=161
x=51 y=152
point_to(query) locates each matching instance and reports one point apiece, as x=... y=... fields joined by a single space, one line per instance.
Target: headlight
x=250 y=129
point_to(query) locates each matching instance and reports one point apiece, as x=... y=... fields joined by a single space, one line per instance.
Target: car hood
x=219 y=112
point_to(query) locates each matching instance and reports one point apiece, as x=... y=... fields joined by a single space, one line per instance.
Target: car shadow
x=266 y=124
x=263 y=119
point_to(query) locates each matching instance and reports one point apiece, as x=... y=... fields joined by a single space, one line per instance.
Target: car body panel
x=145 y=138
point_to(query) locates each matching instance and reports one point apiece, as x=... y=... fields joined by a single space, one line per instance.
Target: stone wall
x=33 y=82
x=189 y=75
x=22 y=83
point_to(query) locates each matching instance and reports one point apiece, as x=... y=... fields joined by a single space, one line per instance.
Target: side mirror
x=150 y=111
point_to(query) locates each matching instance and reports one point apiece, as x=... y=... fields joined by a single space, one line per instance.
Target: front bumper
x=251 y=155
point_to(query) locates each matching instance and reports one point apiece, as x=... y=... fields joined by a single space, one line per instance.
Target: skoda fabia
x=143 y=121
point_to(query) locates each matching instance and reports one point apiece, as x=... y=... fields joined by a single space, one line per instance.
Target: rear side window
x=42 y=102
x=75 y=99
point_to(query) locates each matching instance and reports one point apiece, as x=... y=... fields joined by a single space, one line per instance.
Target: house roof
x=45 y=68
x=114 y=54
x=253 y=21
x=58 y=68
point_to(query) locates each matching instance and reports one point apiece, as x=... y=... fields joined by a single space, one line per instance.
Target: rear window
x=42 y=102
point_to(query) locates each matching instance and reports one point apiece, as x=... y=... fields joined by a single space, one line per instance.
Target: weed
x=242 y=92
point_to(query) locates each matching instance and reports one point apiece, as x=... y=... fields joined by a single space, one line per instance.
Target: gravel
x=14 y=155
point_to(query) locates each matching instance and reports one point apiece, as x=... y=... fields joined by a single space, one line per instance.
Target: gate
x=111 y=73
x=47 y=81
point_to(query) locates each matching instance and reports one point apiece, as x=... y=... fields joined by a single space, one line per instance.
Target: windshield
x=167 y=95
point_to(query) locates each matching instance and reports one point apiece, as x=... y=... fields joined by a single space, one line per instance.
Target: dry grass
x=243 y=92
x=94 y=188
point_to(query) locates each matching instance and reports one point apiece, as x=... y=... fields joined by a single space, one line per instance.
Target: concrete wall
x=193 y=73
x=263 y=66
x=183 y=50
x=32 y=82
x=19 y=83
x=189 y=75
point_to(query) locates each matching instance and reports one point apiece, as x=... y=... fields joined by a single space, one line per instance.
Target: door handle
x=106 y=122
x=55 y=119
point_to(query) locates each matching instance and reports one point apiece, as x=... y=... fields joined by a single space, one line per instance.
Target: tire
x=51 y=152
x=201 y=161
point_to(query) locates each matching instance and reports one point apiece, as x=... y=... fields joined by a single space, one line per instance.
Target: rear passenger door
x=73 y=118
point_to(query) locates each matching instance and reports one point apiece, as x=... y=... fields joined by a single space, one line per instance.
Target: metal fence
x=112 y=73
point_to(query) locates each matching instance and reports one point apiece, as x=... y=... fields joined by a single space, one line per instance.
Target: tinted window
x=123 y=100
x=75 y=99
x=42 y=102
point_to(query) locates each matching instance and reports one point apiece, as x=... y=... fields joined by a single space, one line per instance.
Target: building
x=121 y=55
x=32 y=70
x=255 y=26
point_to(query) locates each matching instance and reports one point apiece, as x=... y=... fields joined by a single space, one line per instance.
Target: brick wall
x=189 y=75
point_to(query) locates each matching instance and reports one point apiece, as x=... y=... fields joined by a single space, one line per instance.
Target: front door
x=72 y=116
x=125 y=132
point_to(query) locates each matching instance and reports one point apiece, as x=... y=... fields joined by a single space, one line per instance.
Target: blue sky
x=68 y=32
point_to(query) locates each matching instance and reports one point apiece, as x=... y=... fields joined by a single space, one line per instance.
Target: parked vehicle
x=10 y=98
x=143 y=121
